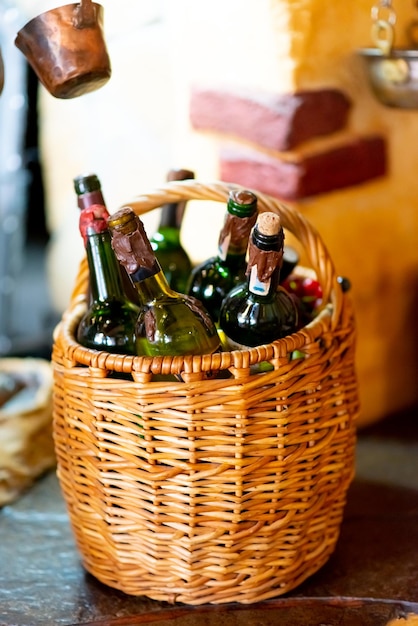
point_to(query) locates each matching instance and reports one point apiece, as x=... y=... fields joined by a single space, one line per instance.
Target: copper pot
x=66 y=49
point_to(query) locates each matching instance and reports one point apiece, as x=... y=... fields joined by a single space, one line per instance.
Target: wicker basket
x=209 y=490
x=26 y=444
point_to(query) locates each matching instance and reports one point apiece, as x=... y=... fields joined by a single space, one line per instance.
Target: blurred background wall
x=135 y=128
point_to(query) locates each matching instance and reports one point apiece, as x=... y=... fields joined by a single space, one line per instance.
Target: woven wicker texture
x=212 y=489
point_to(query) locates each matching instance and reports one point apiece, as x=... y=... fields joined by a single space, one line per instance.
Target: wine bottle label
x=257 y=286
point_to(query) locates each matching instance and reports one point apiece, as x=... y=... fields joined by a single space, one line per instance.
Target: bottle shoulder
x=109 y=326
x=215 y=269
x=117 y=306
x=250 y=319
x=166 y=237
x=173 y=324
x=209 y=263
x=277 y=298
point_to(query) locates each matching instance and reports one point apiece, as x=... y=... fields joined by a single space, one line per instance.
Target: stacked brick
x=269 y=138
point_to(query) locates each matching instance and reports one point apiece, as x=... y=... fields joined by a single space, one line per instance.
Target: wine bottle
x=109 y=322
x=166 y=243
x=169 y=323
x=212 y=280
x=88 y=190
x=259 y=310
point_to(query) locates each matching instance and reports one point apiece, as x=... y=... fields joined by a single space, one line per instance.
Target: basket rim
x=193 y=189
x=238 y=359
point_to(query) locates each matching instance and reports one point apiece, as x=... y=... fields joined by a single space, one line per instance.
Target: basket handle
x=292 y=220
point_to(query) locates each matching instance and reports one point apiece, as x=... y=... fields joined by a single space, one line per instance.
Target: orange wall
x=371 y=230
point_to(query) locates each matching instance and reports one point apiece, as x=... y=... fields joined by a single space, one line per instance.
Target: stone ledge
x=278 y=122
x=355 y=162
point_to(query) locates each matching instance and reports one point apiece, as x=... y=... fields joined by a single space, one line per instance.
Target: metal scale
x=393 y=72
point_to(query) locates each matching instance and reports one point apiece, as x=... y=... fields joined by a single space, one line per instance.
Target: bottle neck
x=232 y=249
x=104 y=268
x=233 y=238
x=265 y=287
x=134 y=251
x=172 y=215
x=151 y=283
x=265 y=257
x=88 y=198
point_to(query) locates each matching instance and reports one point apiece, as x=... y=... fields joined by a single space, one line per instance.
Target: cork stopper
x=268 y=223
x=179 y=174
x=124 y=220
x=86 y=183
x=242 y=196
x=265 y=248
x=129 y=240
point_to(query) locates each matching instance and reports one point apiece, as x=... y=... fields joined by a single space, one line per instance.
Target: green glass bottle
x=166 y=242
x=213 y=279
x=168 y=323
x=260 y=310
x=88 y=190
x=109 y=322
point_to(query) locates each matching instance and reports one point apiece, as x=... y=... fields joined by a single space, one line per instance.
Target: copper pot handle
x=85 y=14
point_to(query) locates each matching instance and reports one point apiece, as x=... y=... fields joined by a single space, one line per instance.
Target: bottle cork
x=179 y=174
x=243 y=196
x=268 y=223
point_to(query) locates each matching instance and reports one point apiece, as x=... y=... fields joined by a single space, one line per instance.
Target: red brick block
x=280 y=122
x=352 y=163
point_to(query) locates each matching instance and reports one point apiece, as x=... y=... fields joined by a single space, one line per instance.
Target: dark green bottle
x=169 y=323
x=109 y=322
x=213 y=279
x=88 y=189
x=166 y=242
x=259 y=311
